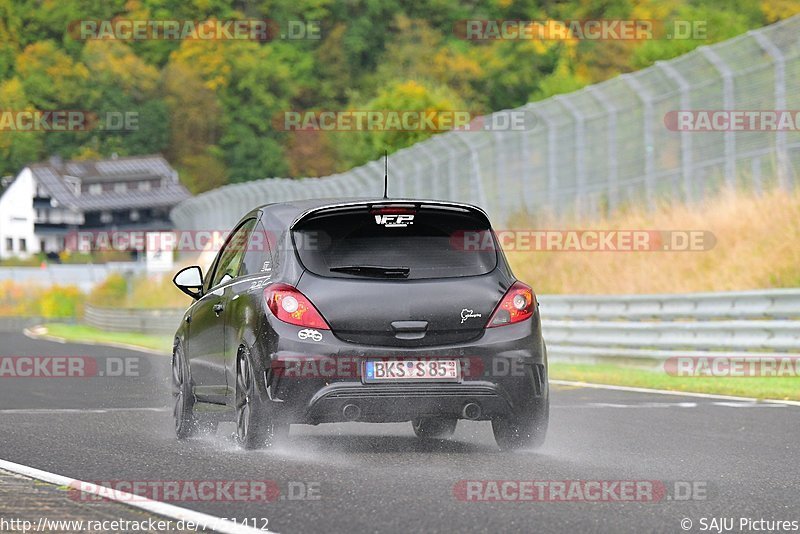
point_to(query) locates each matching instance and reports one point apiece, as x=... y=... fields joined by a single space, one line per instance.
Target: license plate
x=412 y=370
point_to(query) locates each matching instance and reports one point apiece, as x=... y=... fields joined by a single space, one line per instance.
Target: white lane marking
x=645 y=405
x=728 y=404
x=217 y=524
x=80 y=410
x=668 y=392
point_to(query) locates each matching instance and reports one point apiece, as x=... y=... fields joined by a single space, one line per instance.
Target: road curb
x=217 y=524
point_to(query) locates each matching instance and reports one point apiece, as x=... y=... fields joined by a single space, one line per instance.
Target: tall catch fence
x=589 y=151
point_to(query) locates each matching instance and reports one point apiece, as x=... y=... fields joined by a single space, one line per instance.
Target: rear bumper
x=381 y=403
x=503 y=372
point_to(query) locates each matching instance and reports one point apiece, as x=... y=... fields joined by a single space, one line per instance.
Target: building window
x=95 y=189
x=9 y=244
x=144 y=185
x=121 y=187
x=23 y=245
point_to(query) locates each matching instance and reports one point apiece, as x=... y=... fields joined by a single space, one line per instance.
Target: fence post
x=728 y=104
x=433 y=178
x=784 y=169
x=580 y=153
x=611 y=135
x=479 y=197
x=552 y=169
x=649 y=148
x=686 y=137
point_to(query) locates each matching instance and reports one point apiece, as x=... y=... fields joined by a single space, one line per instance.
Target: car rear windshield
x=404 y=243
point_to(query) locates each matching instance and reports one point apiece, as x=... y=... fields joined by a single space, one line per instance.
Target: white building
x=48 y=201
x=17 y=237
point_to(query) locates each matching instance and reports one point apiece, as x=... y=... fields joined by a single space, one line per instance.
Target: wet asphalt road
x=741 y=458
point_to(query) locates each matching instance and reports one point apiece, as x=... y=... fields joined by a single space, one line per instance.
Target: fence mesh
x=590 y=151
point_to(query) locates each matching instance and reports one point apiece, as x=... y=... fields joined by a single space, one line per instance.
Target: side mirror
x=190 y=281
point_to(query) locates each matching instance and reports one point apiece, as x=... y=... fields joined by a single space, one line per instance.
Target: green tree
x=357 y=148
x=17 y=148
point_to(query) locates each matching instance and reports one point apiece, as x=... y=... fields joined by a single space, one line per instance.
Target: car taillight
x=517 y=305
x=290 y=306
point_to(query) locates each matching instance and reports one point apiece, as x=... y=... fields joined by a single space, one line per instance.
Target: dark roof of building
x=51 y=176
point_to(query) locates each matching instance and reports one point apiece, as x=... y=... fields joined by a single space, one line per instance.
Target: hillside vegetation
x=210 y=105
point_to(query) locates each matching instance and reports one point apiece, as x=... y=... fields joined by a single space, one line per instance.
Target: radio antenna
x=385 y=173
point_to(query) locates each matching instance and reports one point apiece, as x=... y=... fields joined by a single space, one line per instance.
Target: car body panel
x=505 y=368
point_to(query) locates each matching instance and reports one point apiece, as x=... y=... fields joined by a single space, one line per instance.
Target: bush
x=56 y=302
x=61 y=302
x=112 y=292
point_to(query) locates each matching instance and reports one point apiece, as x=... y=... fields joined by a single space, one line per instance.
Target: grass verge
x=780 y=388
x=78 y=333
x=754 y=246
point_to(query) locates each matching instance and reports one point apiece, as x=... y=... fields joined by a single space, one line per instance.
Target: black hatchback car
x=323 y=311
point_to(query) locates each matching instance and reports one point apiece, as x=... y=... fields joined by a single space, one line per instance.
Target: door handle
x=218 y=308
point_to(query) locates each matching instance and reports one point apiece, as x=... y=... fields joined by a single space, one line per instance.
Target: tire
x=182 y=396
x=434 y=428
x=256 y=424
x=523 y=431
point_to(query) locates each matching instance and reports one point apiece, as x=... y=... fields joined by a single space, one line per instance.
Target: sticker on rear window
x=394 y=221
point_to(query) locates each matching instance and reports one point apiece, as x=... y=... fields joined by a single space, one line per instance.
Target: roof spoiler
x=391 y=203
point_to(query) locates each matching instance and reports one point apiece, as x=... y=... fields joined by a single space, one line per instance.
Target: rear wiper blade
x=372 y=270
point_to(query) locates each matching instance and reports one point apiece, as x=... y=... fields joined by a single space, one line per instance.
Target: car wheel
x=434 y=428
x=256 y=426
x=182 y=396
x=523 y=431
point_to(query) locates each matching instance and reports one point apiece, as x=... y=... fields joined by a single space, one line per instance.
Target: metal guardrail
x=654 y=327
x=763 y=304
x=741 y=323
x=155 y=322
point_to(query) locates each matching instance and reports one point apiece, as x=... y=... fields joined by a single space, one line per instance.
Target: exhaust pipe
x=351 y=412
x=471 y=411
